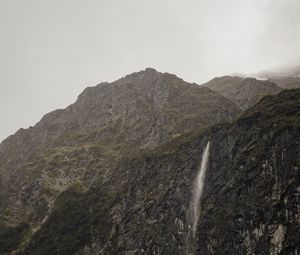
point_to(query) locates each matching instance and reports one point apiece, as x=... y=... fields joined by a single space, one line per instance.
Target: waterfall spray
x=196 y=199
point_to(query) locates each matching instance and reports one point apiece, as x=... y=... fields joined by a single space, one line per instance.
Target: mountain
x=145 y=108
x=250 y=202
x=244 y=92
x=82 y=144
x=114 y=173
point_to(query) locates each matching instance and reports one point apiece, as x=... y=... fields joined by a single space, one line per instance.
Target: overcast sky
x=50 y=50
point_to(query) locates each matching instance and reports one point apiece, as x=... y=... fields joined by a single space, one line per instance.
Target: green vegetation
x=274 y=112
x=74 y=222
x=11 y=237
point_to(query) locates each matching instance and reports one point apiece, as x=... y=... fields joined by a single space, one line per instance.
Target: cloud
x=279 y=44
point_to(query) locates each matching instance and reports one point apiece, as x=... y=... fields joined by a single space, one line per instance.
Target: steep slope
x=82 y=144
x=250 y=203
x=243 y=92
x=251 y=200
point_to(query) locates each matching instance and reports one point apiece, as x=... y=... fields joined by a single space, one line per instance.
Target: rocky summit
x=151 y=164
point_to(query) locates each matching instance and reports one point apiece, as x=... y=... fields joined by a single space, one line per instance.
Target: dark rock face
x=244 y=92
x=252 y=192
x=253 y=209
x=250 y=203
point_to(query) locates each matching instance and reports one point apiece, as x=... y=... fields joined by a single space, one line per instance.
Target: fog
x=52 y=49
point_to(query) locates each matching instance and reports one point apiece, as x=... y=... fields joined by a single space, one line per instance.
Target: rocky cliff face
x=86 y=195
x=244 y=92
x=251 y=201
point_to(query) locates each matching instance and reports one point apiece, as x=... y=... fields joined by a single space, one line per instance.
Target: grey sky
x=50 y=50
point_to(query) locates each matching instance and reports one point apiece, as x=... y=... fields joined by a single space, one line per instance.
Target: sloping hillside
x=243 y=92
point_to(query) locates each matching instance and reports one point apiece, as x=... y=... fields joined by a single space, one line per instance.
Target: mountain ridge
x=114 y=172
x=245 y=92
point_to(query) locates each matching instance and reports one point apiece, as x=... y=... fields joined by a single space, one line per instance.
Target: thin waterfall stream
x=194 y=212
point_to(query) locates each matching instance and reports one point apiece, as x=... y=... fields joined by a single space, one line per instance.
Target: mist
x=51 y=50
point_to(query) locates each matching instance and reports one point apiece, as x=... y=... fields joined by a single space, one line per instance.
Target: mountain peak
x=150 y=69
x=146 y=74
x=144 y=109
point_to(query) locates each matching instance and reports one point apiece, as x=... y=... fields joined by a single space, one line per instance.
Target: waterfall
x=194 y=211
